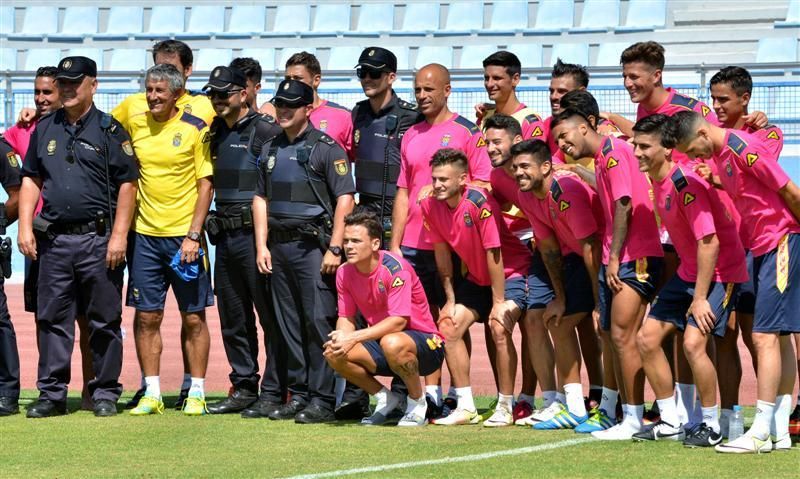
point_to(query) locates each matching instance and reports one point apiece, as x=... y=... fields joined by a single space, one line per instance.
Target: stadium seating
x=554 y=16
x=598 y=16
x=507 y=18
x=374 y=19
x=79 y=23
x=419 y=19
x=127 y=59
x=165 y=21
x=529 y=54
x=246 y=21
x=608 y=53
x=343 y=58
x=38 y=23
x=288 y=52
x=330 y=20
x=441 y=55
x=401 y=53
x=209 y=58
x=6 y=21
x=265 y=56
x=645 y=15
x=792 y=16
x=8 y=59
x=472 y=56
x=95 y=54
x=39 y=57
x=776 y=50
x=290 y=20
x=571 y=53
x=204 y=22
x=463 y=18
x=123 y=22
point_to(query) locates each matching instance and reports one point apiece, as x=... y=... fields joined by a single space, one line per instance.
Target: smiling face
x=374 y=87
x=649 y=151
x=498 y=145
x=640 y=79
x=448 y=181
x=570 y=136
x=228 y=103
x=77 y=93
x=727 y=104
x=45 y=95
x=431 y=91
x=160 y=99
x=529 y=174
x=498 y=84
x=560 y=86
x=290 y=117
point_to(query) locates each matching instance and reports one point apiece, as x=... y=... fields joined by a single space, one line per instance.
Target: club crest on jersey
x=446 y=139
x=51 y=147
x=323 y=125
x=357 y=136
x=668 y=202
x=728 y=168
x=381 y=286
x=341 y=167
x=12 y=159
x=467 y=219
x=188 y=109
x=176 y=140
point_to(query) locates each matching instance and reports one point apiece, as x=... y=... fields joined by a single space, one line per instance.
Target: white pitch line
x=447 y=460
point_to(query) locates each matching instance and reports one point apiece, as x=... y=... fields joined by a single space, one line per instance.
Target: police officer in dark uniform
x=237 y=135
x=305 y=186
x=82 y=162
x=379 y=123
x=9 y=355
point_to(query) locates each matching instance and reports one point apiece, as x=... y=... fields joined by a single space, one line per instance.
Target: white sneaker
x=620 y=432
x=458 y=417
x=501 y=417
x=782 y=444
x=527 y=420
x=412 y=420
x=546 y=414
x=746 y=444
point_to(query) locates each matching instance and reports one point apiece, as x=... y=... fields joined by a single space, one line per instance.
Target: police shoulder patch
x=12 y=159
x=684 y=101
x=391 y=263
x=679 y=180
x=608 y=146
x=476 y=197
x=127 y=148
x=193 y=120
x=736 y=144
x=340 y=166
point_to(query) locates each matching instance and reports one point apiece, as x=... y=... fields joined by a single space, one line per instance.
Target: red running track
x=217 y=376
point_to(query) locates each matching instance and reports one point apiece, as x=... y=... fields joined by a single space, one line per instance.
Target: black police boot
x=236 y=402
x=314 y=414
x=287 y=411
x=352 y=410
x=134 y=401
x=261 y=408
x=105 y=408
x=9 y=406
x=47 y=408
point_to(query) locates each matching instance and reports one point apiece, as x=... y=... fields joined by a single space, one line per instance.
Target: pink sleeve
x=557 y=158
x=429 y=221
x=399 y=294
x=579 y=215
x=696 y=208
x=347 y=306
x=533 y=130
x=772 y=137
x=619 y=177
x=756 y=160
x=402 y=178
x=480 y=168
x=707 y=112
x=486 y=218
x=12 y=137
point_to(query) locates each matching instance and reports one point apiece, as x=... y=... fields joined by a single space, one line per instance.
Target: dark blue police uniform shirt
x=9 y=166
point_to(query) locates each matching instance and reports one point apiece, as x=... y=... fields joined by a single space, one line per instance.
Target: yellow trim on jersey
x=136 y=105
x=782 y=266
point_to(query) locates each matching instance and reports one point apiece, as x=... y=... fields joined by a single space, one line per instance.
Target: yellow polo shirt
x=192 y=103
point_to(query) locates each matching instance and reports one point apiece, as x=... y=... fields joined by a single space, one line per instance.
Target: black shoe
x=434 y=411
x=660 y=431
x=314 y=414
x=134 y=401
x=354 y=410
x=47 y=408
x=287 y=411
x=240 y=400
x=181 y=398
x=105 y=408
x=702 y=436
x=8 y=406
x=261 y=409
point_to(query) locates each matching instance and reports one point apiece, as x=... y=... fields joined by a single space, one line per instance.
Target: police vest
x=297 y=190
x=236 y=159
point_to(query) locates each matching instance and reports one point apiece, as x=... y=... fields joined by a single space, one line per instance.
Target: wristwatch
x=193 y=235
x=337 y=250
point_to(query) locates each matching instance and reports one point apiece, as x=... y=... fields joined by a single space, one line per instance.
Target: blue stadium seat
x=507 y=18
x=529 y=54
x=165 y=21
x=330 y=20
x=6 y=20
x=777 y=50
x=79 y=23
x=123 y=21
x=419 y=19
x=463 y=18
x=290 y=20
x=40 y=57
x=441 y=55
x=204 y=22
x=374 y=19
x=792 y=16
x=209 y=58
x=644 y=15
x=95 y=54
x=608 y=53
x=38 y=23
x=472 y=56
x=265 y=56
x=343 y=58
x=287 y=52
x=571 y=53
x=554 y=16
x=127 y=59
x=401 y=53
x=246 y=21
x=599 y=16
x=8 y=59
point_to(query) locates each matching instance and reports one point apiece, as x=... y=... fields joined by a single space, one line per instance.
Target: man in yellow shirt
x=175 y=191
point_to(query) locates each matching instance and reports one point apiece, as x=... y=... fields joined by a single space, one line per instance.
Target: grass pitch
x=80 y=445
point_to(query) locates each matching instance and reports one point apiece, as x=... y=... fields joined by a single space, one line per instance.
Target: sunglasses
x=216 y=94
x=285 y=104
x=373 y=74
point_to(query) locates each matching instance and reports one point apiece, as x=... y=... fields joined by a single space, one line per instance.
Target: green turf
x=80 y=445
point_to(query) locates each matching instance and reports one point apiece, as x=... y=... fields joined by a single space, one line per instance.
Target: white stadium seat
x=343 y=58
x=40 y=57
x=330 y=20
x=290 y=20
x=265 y=57
x=95 y=54
x=598 y=16
x=554 y=16
x=165 y=21
x=204 y=22
x=246 y=21
x=7 y=20
x=507 y=18
x=441 y=55
x=529 y=54
x=8 y=59
x=420 y=19
x=123 y=22
x=127 y=59
x=645 y=15
x=38 y=23
x=79 y=23
x=209 y=58
x=571 y=53
x=463 y=18
x=374 y=19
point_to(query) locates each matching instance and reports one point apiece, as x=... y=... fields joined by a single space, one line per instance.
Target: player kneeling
x=401 y=338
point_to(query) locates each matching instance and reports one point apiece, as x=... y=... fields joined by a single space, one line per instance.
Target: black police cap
x=379 y=59
x=224 y=78
x=294 y=93
x=75 y=68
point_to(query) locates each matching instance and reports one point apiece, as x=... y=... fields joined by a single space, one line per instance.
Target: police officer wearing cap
x=82 y=163
x=304 y=192
x=9 y=355
x=237 y=135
